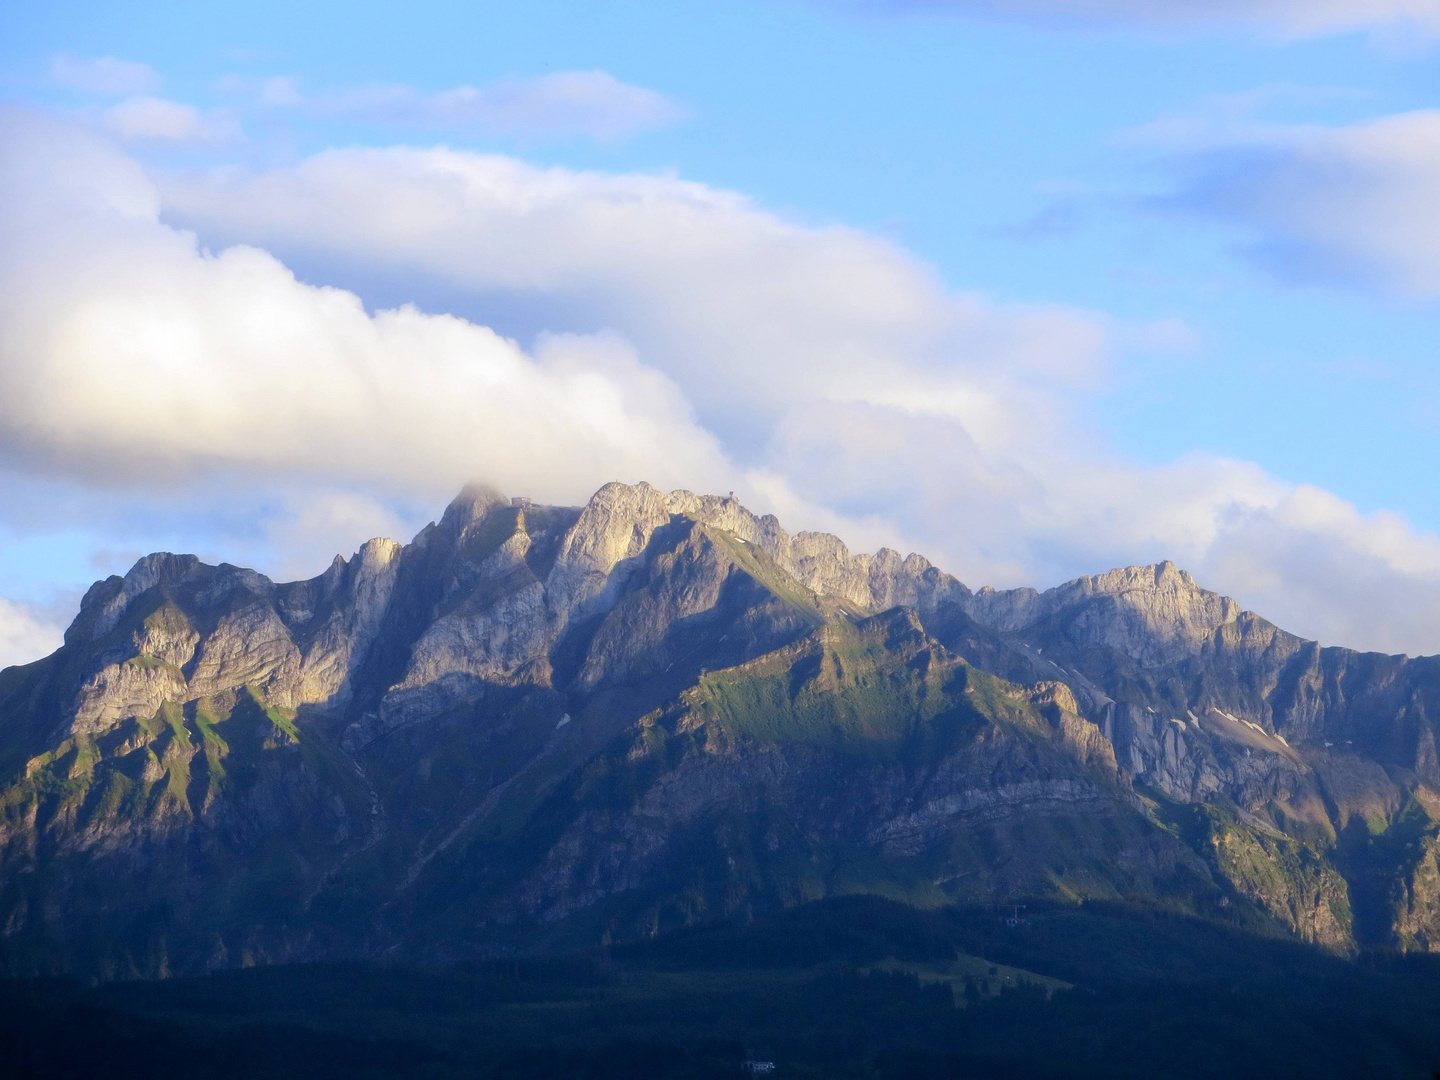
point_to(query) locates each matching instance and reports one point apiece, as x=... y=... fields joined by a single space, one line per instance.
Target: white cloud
x=1359 y=203
x=749 y=311
x=820 y=372
x=26 y=633
x=153 y=118
x=280 y=90
x=562 y=104
x=127 y=353
x=1299 y=18
x=1171 y=336
x=104 y=75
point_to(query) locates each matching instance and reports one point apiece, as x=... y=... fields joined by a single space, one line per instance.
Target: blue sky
x=1192 y=202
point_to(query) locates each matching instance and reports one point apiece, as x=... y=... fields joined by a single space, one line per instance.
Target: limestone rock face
x=176 y=630
x=620 y=519
x=660 y=708
x=359 y=593
x=1151 y=614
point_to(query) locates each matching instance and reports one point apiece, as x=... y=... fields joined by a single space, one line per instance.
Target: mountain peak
x=472 y=504
x=1161 y=575
x=1155 y=614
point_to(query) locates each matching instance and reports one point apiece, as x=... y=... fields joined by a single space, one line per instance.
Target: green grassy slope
x=193 y=831
x=796 y=753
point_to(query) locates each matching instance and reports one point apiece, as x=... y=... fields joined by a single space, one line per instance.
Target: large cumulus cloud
x=128 y=352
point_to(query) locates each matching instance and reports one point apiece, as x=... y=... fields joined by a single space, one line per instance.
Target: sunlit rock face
x=539 y=725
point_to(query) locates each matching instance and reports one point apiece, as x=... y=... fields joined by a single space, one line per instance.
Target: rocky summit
x=538 y=727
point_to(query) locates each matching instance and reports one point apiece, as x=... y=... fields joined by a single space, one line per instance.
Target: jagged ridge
x=659 y=708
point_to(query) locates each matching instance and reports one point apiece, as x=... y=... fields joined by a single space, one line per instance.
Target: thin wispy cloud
x=560 y=105
x=1357 y=203
x=104 y=76
x=1289 y=18
x=1060 y=218
x=159 y=120
x=1232 y=117
x=1171 y=336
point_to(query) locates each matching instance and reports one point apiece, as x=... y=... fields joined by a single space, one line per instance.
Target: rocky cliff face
x=536 y=723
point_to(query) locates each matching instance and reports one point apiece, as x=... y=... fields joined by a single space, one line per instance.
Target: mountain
x=535 y=728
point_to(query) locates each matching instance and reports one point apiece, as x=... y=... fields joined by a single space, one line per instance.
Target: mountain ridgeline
x=537 y=728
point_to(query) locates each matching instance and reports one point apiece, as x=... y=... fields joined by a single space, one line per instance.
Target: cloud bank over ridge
x=128 y=350
x=695 y=340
